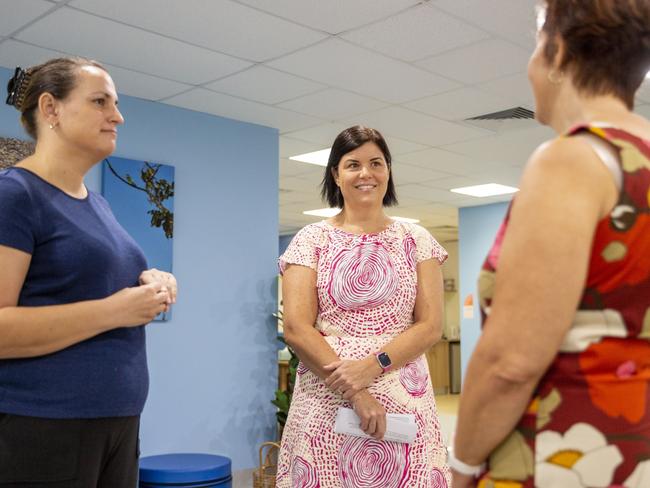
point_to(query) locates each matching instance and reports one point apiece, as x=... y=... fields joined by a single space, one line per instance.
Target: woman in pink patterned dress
x=362 y=303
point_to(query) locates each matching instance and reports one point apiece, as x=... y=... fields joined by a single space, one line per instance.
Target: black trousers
x=62 y=453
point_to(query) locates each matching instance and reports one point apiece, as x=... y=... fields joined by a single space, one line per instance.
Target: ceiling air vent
x=512 y=118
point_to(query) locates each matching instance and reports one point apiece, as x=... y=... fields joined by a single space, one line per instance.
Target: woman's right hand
x=372 y=414
x=138 y=305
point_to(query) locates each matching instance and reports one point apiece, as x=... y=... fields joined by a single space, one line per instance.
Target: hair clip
x=16 y=87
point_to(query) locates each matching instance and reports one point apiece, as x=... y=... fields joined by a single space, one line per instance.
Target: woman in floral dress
x=556 y=392
x=362 y=298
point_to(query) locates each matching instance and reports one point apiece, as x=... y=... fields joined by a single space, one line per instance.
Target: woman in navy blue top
x=75 y=293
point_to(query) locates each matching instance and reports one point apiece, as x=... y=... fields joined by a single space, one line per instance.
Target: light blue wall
x=477 y=228
x=213 y=366
x=284 y=242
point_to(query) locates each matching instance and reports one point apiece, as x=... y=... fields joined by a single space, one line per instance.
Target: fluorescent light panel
x=488 y=190
x=331 y=212
x=317 y=157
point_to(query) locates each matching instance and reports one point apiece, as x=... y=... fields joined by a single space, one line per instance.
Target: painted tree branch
x=157 y=189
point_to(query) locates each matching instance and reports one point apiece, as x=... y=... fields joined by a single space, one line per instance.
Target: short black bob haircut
x=349 y=140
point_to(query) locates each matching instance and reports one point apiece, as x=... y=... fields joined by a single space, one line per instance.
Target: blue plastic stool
x=185 y=471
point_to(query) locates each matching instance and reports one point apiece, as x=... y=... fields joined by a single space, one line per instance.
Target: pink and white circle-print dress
x=366 y=296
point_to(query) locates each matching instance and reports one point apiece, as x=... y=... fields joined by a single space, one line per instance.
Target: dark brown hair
x=57 y=76
x=607 y=43
x=349 y=140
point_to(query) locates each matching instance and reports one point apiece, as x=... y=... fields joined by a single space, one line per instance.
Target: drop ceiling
x=310 y=68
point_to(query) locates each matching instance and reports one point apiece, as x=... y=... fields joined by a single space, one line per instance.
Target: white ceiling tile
x=418 y=127
x=288 y=167
x=332 y=16
x=460 y=104
x=292 y=147
x=289 y=197
x=416 y=33
x=221 y=25
x=75 y=32
x=426 y=193
x=15 y=53
x=456 y=182
x=643 y=110
x=644 y=91
x=322 y=137
x=479 y=62
x=347 y=66
x=503 y=175
x=407 y=201
x=142 y=85
x=323 y=134
x=511 y=19
x=406 y=173
x=265 y=85
x=332 y=104
x=211 y=102
x=514 y=88
x=295 y=183
x=510 y=148
x=440 y=160
x=297 y=209
x=398 y=146
x=17 y=14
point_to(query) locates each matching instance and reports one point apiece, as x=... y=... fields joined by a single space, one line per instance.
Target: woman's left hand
x=462 y=480
x=166 y=279
x=349 y=377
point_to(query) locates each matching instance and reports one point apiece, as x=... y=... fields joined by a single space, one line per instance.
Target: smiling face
x=88 y=117
x=363 y=175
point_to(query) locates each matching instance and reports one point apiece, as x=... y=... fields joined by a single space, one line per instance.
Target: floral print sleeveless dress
x=588 y=423
x=366 y=295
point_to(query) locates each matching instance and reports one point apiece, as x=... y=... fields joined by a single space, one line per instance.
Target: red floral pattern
x=603 y=382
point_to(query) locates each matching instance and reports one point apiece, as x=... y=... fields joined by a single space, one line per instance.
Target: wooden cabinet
x=283 y=374
x=438 y=359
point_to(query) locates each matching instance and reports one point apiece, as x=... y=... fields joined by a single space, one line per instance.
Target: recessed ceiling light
x=323 y=212
x=489 y=190
x=317 y=157
x=331 y=212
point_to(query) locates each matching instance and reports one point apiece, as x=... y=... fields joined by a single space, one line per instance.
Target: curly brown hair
x=607 y=43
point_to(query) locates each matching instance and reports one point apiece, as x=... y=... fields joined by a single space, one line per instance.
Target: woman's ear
x=48 y=108
x=335 y=175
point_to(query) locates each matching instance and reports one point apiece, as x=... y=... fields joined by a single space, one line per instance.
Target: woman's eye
x=99 y=101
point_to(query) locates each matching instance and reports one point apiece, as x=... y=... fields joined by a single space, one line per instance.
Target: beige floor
x=448 y=404
x=447 y=414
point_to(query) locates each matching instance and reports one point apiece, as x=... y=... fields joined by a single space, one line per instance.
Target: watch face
x=384 y=360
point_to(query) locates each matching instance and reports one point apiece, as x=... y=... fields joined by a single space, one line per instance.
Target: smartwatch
x=384 y=361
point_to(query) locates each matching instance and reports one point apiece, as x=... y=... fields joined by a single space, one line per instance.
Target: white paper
x=400 y=427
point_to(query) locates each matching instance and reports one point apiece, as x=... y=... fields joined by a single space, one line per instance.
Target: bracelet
x=463 y=468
